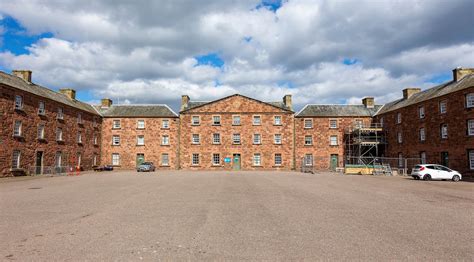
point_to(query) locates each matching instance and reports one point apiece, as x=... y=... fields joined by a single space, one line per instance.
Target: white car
x=434 y=171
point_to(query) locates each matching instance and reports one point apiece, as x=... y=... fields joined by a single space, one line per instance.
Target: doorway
x=140 y=159
x=39 y=163
x=334 y=162
x=445 y=159
x=236 y=162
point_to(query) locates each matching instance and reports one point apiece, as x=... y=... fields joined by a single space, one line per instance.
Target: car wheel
x=456 y=178
x=427 y=177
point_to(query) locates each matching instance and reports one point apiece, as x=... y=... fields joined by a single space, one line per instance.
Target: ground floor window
x=471 y=159
x=423 y=157
x=16 y=159
x=79 y=159
x=59 y=158
x=94 y=160
x=308 y=160
x=445 y=159
x=165 y=160
x=115 y=159
x=195 y=159
x=278 y=160
x=257 y=159
x=216 y=159
x=400 y=160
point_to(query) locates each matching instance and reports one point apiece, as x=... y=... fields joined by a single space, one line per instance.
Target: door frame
x=39 y=169
x=336 y=156
x=233 y=161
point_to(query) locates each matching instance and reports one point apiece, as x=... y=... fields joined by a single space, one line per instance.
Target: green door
x=334 y=162
x=140 y=159
x=236 y=162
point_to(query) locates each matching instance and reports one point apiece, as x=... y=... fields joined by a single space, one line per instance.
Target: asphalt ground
x=129 y=216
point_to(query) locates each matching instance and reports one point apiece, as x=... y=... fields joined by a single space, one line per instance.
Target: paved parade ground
x=234 y=216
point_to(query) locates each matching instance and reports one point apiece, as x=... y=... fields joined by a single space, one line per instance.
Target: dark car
x=104 y=168
x=146 y=167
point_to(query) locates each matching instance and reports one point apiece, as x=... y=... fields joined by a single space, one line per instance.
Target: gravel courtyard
x=234 y=216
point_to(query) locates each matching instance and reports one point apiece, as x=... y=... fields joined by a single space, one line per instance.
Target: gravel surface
x=184 y=215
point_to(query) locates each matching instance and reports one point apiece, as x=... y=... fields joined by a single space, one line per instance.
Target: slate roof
x=157 y=110
x=194 y=104
x=437 y=91
x=337 y=111
x=16 y=82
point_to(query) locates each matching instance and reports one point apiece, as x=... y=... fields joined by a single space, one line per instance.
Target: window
x=399 y=118
x=216 y=159
x=115 y=159
x=443 y=107
x=165 y=160
x=141 y=140
x=195 y=120
x=165 y=140
x=116 y=124
x=257 y=159
x=333 y=141
x=423 y=157
x=16 y=159
x=308 y=123
x=94 y=121
x=60 y=113
x=195 y=159
x=79 y=118
x=216 y=120
x=444 y=131
x=94 y=160
x=195 y=139
x=165 y=123
x=399 y=137
x=79 y=159
x=41 y=108
x=400 y=160
x=17 y=129
x=359 y=123
x=59 y=134
x=40 y=132
x=308 y=140
x=18 y=102
x=257 y=139
x=236 y=139
x=257 y=120
x=79 y=137
x=308 y=160
x=470 y=127
x=277 y=139
x=333 y=123
x=470 y=100
x=445 y=159
x=58 y=159
x=421 y=112
x=216 y=139
x=381 y=121
x=141 y=124
x=471 y=159
x=422 y=134
x=278 y=160
x=96 y=139
x=277 y=120
x=236 y=120
x=115 y=140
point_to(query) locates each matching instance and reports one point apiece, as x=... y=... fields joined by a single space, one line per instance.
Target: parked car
x=146 y=167
x=434 y=171
x=104 y=168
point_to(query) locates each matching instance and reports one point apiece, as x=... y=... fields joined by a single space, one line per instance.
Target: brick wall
x=246 y=109
x=457 y=144
x=29 y=145
x=128 y=148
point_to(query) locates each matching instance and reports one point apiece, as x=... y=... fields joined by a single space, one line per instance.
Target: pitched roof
x=437 y=91
x=157 y=110
x=337 y=111
x=194 y=104
x=16 y=82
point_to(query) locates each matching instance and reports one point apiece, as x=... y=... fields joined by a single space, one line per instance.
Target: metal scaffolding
x=364 y=144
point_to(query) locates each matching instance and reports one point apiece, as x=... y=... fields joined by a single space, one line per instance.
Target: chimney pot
x=184 y=102
x=368 y=102
x=287 y=101
x=408 y=92
x=70 y=93
x=459 y=73
x=23 y=74
x=106 y=102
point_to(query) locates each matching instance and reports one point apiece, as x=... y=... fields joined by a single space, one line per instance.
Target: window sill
x=116 y=128
x=277 y=124
x=308 y=128
x=308 y=145
x=333 y=145
x=41 y=139
x=195 y=124
x=214 y=165
x=165 y=145
x=41 y=114
x=60 y=119
x=236 y=144
x=277 y=144
x=18 y=137
x=278 y=166
x=257 y=166
x=79 y=143
x=115 y=145
x=164 y=165
x=140 y=145
x=257 y=144
x=216 y=124
x=236 y=124
x=140 y=128
x=165 y=128
x=20 y=110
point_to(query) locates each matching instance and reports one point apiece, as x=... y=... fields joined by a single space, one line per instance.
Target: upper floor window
x=16 y=159
x=308 y=140
x=195 y=139
x=140 y=140
x=399 y=118
x=17 y=128
x=94 y=121
x=236 y=139
x=216 y=138
x=277 y=120
x=79 y=137
x=79 y=118
x=257 y=120
x=381 y=121
x=96 y=139
x=399 y=137
x=333 y=123
x=59 y=134
x=115 y=140
x=116 y=124
x=421 y=112
x=470 y=127
x=277 y=139
x=359 y=123
x=216 y=120
x=165 y=123
x=443 y=107
x=40 y=132
x=236 y=120
x=422 y=134
x=41 y=108
x=444 y=131
x=257 y=139
x=470 y=100
x=18 y=102
x=165 y=140
x=333 y=141
x=308 y=123
x=195 y=120
x=141 y=124
x=60 y=113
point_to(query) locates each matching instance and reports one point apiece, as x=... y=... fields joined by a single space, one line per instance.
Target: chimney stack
x=287 y=101
x=23 y=74
x=459 y=73
x=106 y=103
x=408 y=92
x=368 y=102
x=70 y=93
x=184 y=102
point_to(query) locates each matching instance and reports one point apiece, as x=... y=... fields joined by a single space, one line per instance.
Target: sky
x=320 y=51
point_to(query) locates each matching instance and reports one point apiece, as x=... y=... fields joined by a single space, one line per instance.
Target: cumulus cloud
x=139 y=52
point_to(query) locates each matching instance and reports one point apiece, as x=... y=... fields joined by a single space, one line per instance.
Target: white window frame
x=215 y=157
x=79 y=118
x=58 y=159
x=140 y=140
x=332 y=141
x=60 y=114
x=165 y=123
x=216 y=138
x=141 y=124
x=195 y=139
x=115 y=159
x=116 y=124
x=444 y=131
x=421 y=112
x=257 y=159
x=277 y=120
x=256 y=122
x=257 y=139
x=422 y=134
x=165 y=140
x=308 y=123
x=195 y=159
x=443 y=107
x=96 y=139
x=471 y=159
x=79 y=158
x=216 y=120
x=278 y=159
x=194 y=122
x=79 y=137
x=165 y=159
x=94 y=159
x=333 y=123
x=470 y=100
x=359 y=123
x=399 y=137
x=17 y=128
x=236 y=139
x=59 y=134
x=16 y=158
x=18 y=102
x=399 y=118
x=40 y=133
x=310 y=140
x=308 y=159
x=277 y=139
x=470 y=127
x=236 y=120
x=41 y=108
x=115 y=140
